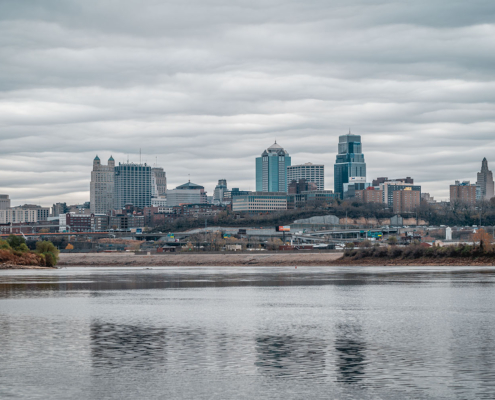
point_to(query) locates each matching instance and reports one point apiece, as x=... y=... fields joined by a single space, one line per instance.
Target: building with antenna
x=271 y=169
x=102 y=186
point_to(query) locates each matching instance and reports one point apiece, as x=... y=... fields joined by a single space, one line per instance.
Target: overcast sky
x=204 y=86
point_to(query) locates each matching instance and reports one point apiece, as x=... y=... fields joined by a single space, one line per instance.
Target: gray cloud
x=204 y=86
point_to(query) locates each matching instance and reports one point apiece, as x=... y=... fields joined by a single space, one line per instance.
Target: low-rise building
x=25 y=213
x=188 y=193
x=72 y=222
x=254 y=202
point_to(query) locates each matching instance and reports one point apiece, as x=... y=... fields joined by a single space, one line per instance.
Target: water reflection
x=114 y=345
x=286 y=355
x=350 y=350
x=405 y=334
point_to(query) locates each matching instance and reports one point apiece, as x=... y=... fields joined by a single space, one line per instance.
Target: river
x=248 y=333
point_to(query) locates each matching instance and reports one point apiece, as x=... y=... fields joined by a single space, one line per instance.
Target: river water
x=248 y=333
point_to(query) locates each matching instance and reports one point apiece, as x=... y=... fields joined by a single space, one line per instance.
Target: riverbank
x=427 y=262
x=245 y=259
x=197 y=259
x=14 y=266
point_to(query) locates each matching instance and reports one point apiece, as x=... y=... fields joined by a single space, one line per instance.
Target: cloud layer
x=203 y=87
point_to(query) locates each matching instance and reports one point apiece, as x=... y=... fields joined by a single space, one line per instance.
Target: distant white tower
x=485 y=181
x=102 y=186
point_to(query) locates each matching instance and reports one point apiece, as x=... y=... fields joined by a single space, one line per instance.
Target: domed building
x=271 y=169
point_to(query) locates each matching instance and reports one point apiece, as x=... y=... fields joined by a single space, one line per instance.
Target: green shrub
x=16 y=241
x=49 y=252
x=4 y=245
x=50 y=259
x=23 y=248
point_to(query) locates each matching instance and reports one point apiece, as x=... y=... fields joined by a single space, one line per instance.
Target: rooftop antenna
x=189 y=175
x=140 y=155
x=127 y=158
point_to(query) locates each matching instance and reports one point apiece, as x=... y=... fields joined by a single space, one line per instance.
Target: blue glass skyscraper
x=271 y=169
x=350 y=165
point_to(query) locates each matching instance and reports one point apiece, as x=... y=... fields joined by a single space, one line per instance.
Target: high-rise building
x=4 y=201
x=314 y=173
x=370 y=195
x=463 y=192
x=219 y=192
x=388 y=188
x=485 y=181
x=271 y=169
x=102 y=186
x=158 y=182
x=349 y=162
x=59 y=208
x=132 y=185
x=406 y=201
x=188 y=193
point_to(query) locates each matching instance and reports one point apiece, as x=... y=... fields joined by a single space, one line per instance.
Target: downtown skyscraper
x=132 y=185
x=102 y=186
x=350 y=166
x=271 y=169
x=485 y=181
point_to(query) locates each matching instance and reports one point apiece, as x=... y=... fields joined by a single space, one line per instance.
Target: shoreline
x=249 y=260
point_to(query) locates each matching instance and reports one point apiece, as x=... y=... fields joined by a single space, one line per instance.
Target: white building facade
x=188 y=193
x=311 y=172
x=260 y=202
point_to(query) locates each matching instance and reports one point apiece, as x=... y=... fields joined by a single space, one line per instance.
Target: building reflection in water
x=114 y=345
x=286 y=355
x=350 y=351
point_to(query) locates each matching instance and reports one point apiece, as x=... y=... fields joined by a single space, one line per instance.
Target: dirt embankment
x=197 y=259
x=247 y=259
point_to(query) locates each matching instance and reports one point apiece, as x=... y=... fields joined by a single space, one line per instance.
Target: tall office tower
x=132 y=185
x=271 y=169
x=4 y=201
x=485 y=181
x=314 y=173
x=349 y=165
x=158 y=182
x=102 y=186
x=219 y=192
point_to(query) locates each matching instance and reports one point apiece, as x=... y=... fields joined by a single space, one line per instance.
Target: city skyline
x=209 y=186
x=210 y=89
